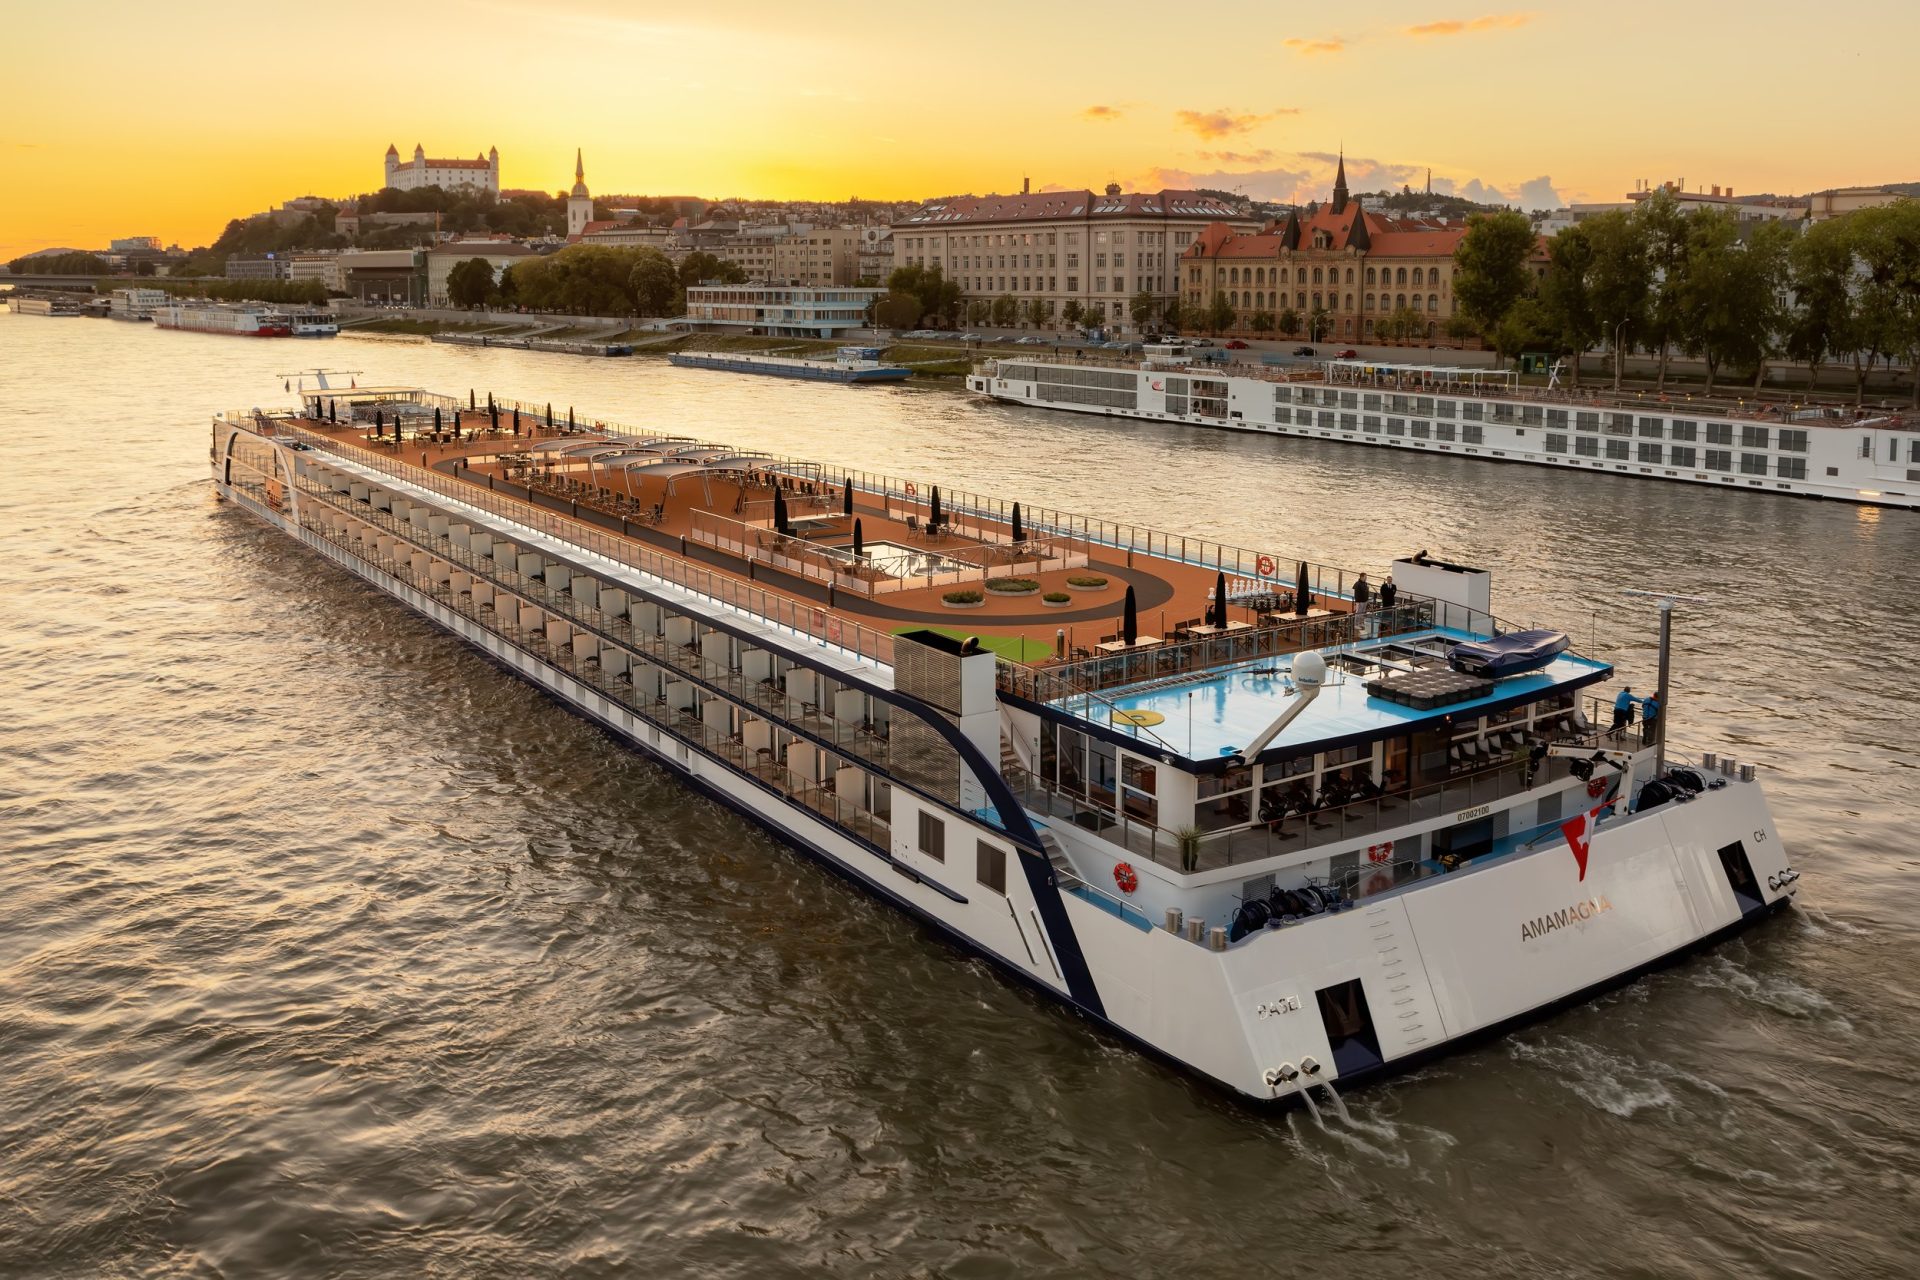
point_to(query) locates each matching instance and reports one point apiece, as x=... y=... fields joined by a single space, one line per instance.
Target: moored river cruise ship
x=1280 y=836
x=1865 y=456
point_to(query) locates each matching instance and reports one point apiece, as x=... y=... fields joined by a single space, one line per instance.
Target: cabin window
x=1792 y=441
x=1556 y=443
x=1650 y=429
x=1682 y=455
x=1586 y=446
x=1472 y=433
x=1719 y=459
x=1649 y=452
x=1719 y=433
x=990 y=867
x=1753 y=464
x=1617 y=450
x=933 y=837
x=1683 y=430
x=1793 y=468
x=1443 y=430
x=1587 y=421
x=1752 y=437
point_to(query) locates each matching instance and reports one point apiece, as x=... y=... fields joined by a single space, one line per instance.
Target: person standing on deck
x=1623 y=707
x=1650 y=717
x=1361 y=594
x=1387 y=593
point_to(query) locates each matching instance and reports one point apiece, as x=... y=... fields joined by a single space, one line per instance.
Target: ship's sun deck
x=716 y=506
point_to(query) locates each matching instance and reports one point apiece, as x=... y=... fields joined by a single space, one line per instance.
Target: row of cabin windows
x=989 y=861
x=1330 y=275
x=1680 y=455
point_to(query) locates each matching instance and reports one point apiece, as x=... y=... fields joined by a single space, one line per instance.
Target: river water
x=327 y=949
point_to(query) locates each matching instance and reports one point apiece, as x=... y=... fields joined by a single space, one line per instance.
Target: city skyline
x=764 y=101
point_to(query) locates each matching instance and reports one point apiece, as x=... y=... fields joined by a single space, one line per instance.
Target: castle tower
x=579 y=204
x=393 y=162
x=1340 y=184
x=493 y=168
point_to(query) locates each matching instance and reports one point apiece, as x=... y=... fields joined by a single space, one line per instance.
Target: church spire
x=579 y=166
x=1340 y=184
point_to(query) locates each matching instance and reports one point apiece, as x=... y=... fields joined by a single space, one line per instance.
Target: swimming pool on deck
x=1214 y=716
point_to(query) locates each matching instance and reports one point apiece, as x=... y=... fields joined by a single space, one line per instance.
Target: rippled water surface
x=328 y=949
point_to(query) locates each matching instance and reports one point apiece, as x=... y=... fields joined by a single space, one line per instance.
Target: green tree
x=1172 y=316
x=1289 y=322
x=1886 y=252
x=76 y=263
x=654 y=283
x=470 y=283
x=1731 y=291
x=1566 y=296
x=979 y=311
x=939 y=296
x=1402 y=324
x=1261 y=323
x=1039 y=312
x=701 y=267
x=1820 y=267
x=1220 y=314
x=898 y=310
x=1072 y=313
x=1660 y=225
x=1006 y=309
x=1619 y=281
x=1142 y=308
x=1319 y=321
x=1490 y=267
x=1526 y=326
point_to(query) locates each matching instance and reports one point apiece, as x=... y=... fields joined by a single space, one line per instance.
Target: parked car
x=1031 y=341
x=1201 y=342
x=971 y=337
x=1443 y=347
x=1303 y=351
x=1236 y=345
x=1346 y=353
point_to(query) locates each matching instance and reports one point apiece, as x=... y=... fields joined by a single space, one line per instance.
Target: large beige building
x=1823 y=205
x=1056 y=247
x=787 y=254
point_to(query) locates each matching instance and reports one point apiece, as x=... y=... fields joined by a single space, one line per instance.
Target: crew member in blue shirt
x=1649 y=716
x=1623 y=707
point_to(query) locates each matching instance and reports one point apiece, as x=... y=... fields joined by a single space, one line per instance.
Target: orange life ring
x=1265 y=566
x=1380 y=852
x=910 y=489
x=1126 y=877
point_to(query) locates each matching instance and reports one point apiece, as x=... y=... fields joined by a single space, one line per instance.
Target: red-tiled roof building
x=1341 y=269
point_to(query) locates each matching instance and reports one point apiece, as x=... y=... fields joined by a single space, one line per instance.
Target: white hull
x=1873 y=463
x=1439 y=961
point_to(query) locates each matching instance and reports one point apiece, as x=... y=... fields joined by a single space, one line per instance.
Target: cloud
x=1314 y=47
x=1237 y=157
x=1259 y=184
x=1458 y=27
x=1308 y=176
x=1101 y=112
x=1535 y=193
x=1222 y=123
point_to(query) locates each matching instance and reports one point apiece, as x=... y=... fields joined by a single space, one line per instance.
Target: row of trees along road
x=1659 y=279
x=602 y=280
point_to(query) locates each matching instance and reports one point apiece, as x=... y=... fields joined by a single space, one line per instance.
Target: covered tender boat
x=1508 y=655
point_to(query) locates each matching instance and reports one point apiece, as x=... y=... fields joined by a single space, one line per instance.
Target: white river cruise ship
x=1200 y=794
x=1867 y=456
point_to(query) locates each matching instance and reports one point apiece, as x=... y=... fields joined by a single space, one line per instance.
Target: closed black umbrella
x=779 y=512
x=859 y=542
x=471 y=402
x=1129 y=619
x=569 y=417
x=332 y=411
x=379 y=424
x=933 y=507
x=436 y=418
x=846 y=500
x=516 y=420
x=493 y=417
x=1220 y=599
x=1302 y=594
x=1019 y=535
x=549 y=415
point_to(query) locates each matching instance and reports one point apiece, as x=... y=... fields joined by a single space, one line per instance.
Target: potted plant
x=1012 y=586
x=1189 y=841
x=966 y=599
x=1056 y=599
x=1086 y=582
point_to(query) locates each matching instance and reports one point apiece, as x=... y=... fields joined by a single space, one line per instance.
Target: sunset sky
x=169 y=119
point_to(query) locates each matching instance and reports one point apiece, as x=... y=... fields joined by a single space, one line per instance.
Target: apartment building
x=1056 y=247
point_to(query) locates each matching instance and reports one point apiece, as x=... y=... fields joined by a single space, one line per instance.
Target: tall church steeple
x=579 y=204
x=1340 y=184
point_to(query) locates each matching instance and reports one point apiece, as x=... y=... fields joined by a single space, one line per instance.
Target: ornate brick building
x=1342 y=269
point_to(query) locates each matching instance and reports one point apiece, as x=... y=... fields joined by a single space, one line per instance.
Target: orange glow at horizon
x=170 y=122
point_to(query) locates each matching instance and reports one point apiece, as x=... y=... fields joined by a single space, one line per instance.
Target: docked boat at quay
x=240 y=320
x=850 y=364
x=1820 y=452
x=1263 y=830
